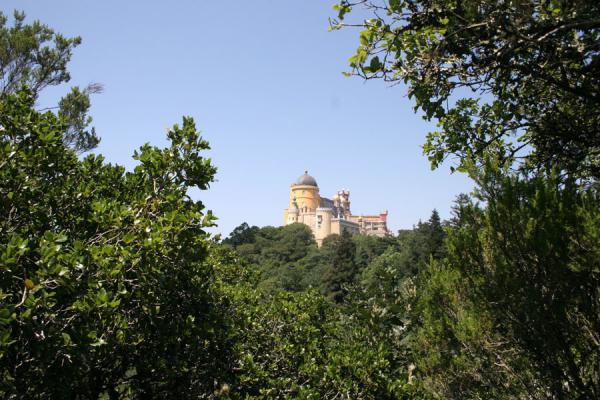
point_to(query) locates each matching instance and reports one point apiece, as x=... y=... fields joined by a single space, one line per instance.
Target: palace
x=327 y=216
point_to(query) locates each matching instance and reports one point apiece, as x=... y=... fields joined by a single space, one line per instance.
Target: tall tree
x=242 y=234
x=370 y=247
x=530 y=69
x=35 y=56
x=434 y=236
x=512 y=311
x=461 y=203
x=516 y=301
x=342 y=268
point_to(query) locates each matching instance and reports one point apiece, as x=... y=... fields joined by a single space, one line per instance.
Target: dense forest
x=112 y=288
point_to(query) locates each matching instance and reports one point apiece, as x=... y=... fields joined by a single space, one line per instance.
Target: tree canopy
x=515 y=80
x=103 y=282
x=35 y=56
x=508 y=306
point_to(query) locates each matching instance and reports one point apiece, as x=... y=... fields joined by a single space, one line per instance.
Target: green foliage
x=32 y=55
x=529 y=70
x=242 y=234
x=433 y=236
x=286 y=256
x=298 y=345
x=370 y=247
x=289 y=260
x=104 y=286
x=111 y=288
x=342 y=268
x=516 y=302
x=35 y=56
x=422 y=243
x=386 y=273
x=73 y=108
x=506 y=293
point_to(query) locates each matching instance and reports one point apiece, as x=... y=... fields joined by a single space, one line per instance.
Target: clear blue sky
x=263 y=81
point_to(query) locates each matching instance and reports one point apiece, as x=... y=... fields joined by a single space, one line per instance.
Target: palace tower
x=327 y=216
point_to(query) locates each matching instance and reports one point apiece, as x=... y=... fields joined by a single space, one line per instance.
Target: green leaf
x=66 y=338
x=375 y=64
x=60 y=238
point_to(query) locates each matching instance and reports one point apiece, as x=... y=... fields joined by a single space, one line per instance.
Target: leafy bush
x=103 y=285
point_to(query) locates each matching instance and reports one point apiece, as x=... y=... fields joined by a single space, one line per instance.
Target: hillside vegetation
x=111 y=287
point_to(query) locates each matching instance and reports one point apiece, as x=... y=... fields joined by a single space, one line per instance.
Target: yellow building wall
x=306 y=196
x=338 y=225
x=335 y=227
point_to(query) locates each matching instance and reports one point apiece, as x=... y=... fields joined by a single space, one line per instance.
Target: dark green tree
x=461 y=203
x=292 y=244
x=423 y=242
x=342 y=268
x=286 y=256
x=370 y=247
x=385 y=275
x=433 y=233
x=35 y=56
x=242 y=234
x=516 y=301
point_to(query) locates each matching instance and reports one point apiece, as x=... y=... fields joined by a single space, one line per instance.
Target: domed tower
x=306 y=193
x=304 y=197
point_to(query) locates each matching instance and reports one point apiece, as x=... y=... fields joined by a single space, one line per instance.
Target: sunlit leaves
x=101 y=270
x=533 y=60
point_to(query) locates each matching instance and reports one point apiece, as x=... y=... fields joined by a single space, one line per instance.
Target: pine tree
x=435 y=236
x=342 y=268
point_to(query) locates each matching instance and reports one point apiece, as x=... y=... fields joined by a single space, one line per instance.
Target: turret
x=306 y=193
x=342 y=201
x=292 y=214
x=304 y=200
x=323 y=224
